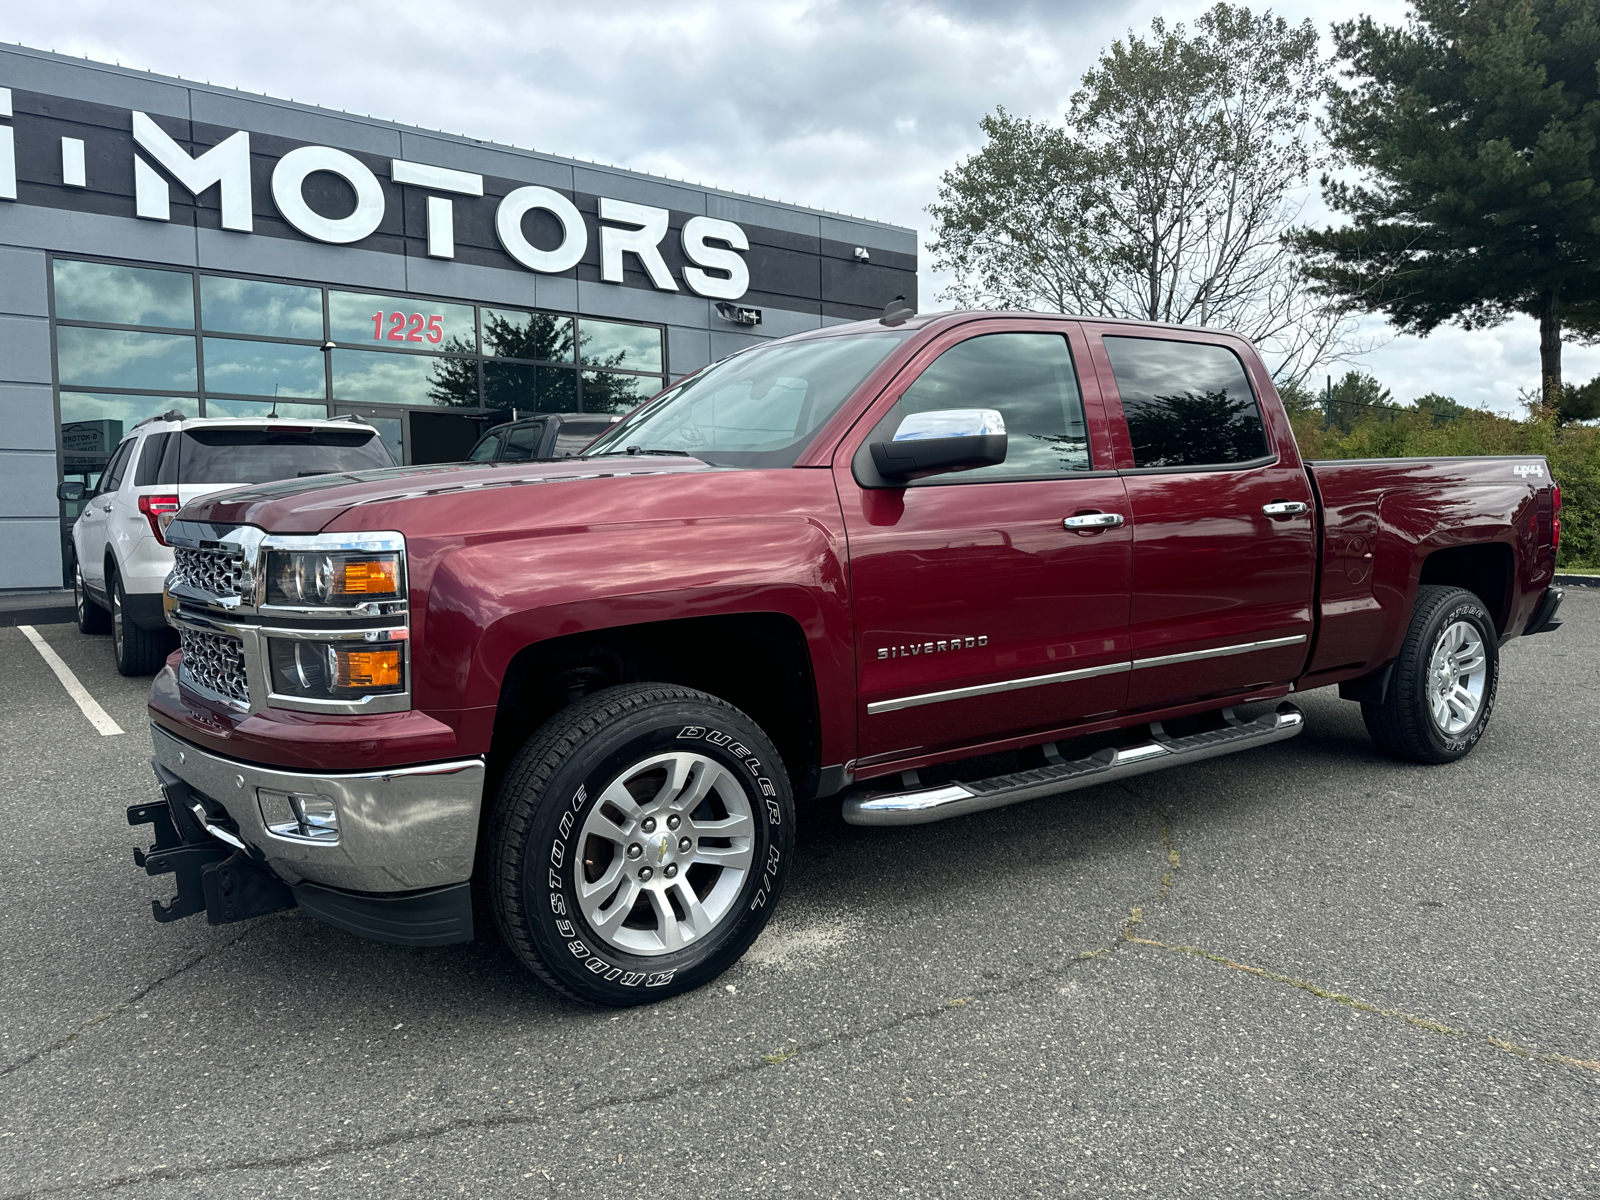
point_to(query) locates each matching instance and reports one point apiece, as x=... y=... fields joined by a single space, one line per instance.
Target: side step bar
x=923 y=805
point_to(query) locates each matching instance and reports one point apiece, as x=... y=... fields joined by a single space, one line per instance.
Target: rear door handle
x=1093 y=521
x=1285 y=508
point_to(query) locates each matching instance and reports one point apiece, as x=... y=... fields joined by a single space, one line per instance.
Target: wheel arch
x=1486 y=569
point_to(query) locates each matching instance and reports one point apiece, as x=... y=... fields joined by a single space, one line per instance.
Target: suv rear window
x=264 y=455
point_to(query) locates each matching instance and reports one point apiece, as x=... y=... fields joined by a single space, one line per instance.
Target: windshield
x=759 y=408
x=233 y=455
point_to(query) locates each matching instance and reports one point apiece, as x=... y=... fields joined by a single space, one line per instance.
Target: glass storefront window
x=87 y=291
x=400 y=323
x=605 y=393
x=362 y=377
x=626 y=347
x=265 y=408
x=268 y=309
x=530 y=389
x=263 y=368
x=508 y=333
x=123 y=359
x=92 y=425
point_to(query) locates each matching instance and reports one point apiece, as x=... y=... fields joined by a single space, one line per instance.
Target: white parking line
x=98 y=717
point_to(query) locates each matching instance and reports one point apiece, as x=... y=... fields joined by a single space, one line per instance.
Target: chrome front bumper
x=400 y=830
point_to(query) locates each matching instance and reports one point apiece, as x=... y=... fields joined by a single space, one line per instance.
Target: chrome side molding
x=924 y=805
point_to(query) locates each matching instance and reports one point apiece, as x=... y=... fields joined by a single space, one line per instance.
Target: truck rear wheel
x=639 y=843
x=1442 y=688
x=137 y=651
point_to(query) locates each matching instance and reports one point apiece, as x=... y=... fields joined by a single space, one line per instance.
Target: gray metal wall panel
x=485 y=160
x=25 y=350
x=870 y=234
x=28 y=483
x=636 y=189
x=557 y=291
x=27 y=418
x=94 y=233
x=483 y=285
x=91 y=81
x=781 y=322
x=33 y=550
x=22 y=283
x=724 y=344
x=634 y=304
x=321 y=128
x=687 y=349
x=223 y=250
x=753 y=212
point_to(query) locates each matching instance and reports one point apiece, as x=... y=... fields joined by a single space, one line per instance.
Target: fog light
x=300 y=815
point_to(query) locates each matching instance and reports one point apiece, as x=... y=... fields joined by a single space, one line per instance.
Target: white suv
x=121 y=559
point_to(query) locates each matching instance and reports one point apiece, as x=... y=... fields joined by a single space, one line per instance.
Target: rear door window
x=484 y=451
x=1187 y=404
x=573 y=436
x=239 y=456
x=522 y=442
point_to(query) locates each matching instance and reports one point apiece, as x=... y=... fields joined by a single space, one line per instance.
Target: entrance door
x=979 y=615
x=442 y=437
x=1222 y=585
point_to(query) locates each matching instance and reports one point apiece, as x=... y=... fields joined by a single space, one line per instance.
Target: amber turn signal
x=366 y=668
x=370 y=577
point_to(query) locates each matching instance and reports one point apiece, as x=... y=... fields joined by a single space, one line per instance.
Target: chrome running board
x=922 y=805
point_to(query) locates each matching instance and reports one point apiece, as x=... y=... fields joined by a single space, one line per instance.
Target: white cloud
x=852 y=107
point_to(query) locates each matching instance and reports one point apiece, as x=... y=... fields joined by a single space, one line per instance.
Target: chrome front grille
x=214 y=663
x=220 y=573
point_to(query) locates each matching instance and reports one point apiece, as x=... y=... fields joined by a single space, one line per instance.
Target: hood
x=309 y=505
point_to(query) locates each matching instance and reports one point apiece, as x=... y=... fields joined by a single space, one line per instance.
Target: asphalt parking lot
x=1304 y=970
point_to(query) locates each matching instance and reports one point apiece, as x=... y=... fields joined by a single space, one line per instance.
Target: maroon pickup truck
x=582 y=698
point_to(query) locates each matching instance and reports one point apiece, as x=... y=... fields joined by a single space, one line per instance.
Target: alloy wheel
x=1457 y=673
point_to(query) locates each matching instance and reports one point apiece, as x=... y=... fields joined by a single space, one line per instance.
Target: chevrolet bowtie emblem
x=661 y=850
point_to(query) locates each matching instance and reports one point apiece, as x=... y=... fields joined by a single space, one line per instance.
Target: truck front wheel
x=639 y=843
x=1442 y=688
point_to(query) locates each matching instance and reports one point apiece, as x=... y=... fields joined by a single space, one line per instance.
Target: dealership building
x=167 y=245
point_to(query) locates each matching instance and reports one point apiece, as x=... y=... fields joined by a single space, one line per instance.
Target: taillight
x=159 y=510
x=1555 y=517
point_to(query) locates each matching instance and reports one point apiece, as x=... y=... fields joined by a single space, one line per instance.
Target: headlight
x=332 y=579
x=336 y=670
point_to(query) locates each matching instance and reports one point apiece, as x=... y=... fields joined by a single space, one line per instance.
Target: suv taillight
x=159 y=510
x=1555 y=518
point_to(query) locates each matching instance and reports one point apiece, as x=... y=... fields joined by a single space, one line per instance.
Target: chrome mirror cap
x=950 y=423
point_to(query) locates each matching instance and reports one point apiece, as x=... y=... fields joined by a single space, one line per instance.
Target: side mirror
x=71 y=491
x=933 y=443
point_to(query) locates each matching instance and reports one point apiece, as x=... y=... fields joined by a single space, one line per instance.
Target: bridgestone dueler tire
x=137 y=651
x=549 y=791
x=1403 y=725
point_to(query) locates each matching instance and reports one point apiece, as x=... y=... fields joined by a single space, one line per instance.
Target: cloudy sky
x=851 y=107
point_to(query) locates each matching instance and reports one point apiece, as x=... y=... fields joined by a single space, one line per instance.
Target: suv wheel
x=1442 y=688
x=138 y=651
x=639 y=842
x=91 y=617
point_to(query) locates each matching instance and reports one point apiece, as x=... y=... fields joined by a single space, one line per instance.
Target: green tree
x=1164 y=195
x=1355 y=398
x=1476 y=127
x=1439 y=408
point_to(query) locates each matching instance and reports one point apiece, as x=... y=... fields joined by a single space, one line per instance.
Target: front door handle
x=1093 y=521
x=1285 y=508
x=105 y=508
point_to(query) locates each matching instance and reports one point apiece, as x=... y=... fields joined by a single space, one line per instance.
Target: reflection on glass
x=455 y=383
x=1028 y=379
x=123 y=295
x=263 y=368
x=361 y=377
x=558 y=390
x=630 y=347
x=121 y=359
x=1187 y=404
x=270 y=309
x=92 y=425
x=400 y=323
x=605 y=393
x=264 y=408
x=511 y=334
x=510 y=386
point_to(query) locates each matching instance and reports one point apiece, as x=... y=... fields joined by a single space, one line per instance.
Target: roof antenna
x=896 y=312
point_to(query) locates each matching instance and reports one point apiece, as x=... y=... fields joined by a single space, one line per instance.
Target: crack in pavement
x=118 y=1009
x=1427 y=1023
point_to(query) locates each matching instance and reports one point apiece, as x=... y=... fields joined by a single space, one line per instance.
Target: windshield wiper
x=657 y=450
